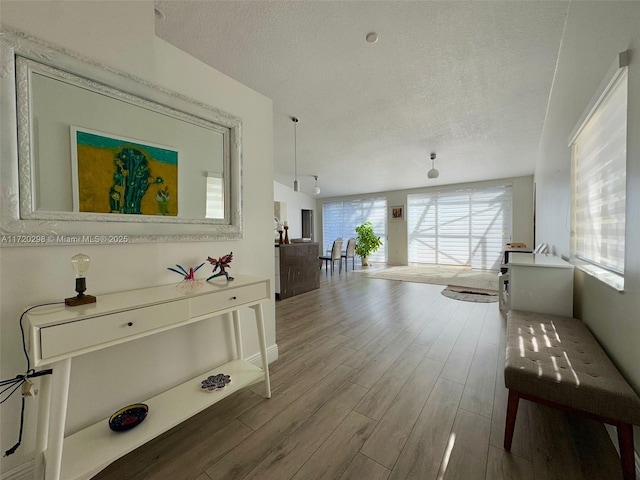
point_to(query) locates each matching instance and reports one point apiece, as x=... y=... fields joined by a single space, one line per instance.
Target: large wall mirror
x=91 y=154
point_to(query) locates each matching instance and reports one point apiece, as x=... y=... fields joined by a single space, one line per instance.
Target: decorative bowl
x=128 y=417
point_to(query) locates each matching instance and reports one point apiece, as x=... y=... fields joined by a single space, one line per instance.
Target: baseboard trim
x=272 y=356
x=21 y=472
x=613 y=435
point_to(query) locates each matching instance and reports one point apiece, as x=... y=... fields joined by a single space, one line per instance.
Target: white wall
x=595 y=33
x=121 y=34
x=295 y=202
x=397 y=239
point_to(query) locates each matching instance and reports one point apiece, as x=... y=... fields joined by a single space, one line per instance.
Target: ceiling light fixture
x=433 y=173
x=296 y=187
x=372 y=37
x=316 y=189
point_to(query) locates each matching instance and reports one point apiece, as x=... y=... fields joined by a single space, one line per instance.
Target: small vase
x=286 y=235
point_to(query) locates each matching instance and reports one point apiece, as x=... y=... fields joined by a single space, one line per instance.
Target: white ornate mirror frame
x=23 y=224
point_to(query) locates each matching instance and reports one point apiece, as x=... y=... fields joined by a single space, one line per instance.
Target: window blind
x=600 y=162
x=461 y=227
x=215 y=198
x=340 y=219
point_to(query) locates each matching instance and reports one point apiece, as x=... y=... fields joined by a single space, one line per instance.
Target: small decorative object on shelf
x=220 y=265
x=189 y=281
x=215 y=382
x=278 y=228
x=80 y=264
x=128 y=417
x=286 y=234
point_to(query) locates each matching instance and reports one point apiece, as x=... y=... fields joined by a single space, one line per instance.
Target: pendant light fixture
x=433 y=173
x=316 y=189
x=296 y=186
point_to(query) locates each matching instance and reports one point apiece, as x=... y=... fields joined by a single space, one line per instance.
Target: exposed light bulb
x=80 y=264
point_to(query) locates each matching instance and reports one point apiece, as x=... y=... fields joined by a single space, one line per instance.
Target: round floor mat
x=468 y=294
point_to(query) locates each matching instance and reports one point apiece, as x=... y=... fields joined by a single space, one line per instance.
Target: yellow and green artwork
x=117 y=175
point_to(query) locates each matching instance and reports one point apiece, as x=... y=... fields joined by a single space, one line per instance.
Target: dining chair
x=350 y=253
x=336 y=254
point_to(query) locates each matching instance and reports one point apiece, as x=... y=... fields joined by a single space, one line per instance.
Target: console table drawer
x=69 y=337
x=228 y=299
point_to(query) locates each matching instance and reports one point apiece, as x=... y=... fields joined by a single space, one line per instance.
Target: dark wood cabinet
x=297 y=269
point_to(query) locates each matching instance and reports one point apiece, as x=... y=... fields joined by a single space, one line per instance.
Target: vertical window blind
x=340 y=219
x=461 y=227
x=600 y=163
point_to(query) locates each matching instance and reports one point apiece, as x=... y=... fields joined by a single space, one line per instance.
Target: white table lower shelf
x=90 y=450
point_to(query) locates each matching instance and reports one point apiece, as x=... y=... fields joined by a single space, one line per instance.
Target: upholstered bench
x=556 y=361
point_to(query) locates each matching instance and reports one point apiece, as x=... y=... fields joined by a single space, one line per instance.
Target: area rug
x=441 y=275
x=467 y=294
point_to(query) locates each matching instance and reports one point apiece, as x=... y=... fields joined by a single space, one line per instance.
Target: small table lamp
x=80 y=264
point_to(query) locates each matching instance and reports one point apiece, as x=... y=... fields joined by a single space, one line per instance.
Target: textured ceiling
x=467 y=80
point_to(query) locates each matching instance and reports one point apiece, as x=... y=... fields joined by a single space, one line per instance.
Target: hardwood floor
x=378 y=379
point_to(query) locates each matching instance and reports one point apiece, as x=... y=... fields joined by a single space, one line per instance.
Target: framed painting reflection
x=113 y=174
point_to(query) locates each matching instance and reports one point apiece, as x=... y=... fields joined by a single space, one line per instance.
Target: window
x=460 y=227
x=215 y=196
x=599 y=151
x=340 y=219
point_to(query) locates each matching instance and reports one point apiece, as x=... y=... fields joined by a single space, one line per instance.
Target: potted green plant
x=367 y=242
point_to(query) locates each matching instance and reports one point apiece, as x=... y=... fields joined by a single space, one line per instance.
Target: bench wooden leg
x=512 y=411
x=625 y=442
x=625 y=430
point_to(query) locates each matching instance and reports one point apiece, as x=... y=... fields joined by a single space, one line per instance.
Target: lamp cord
x=19 y=380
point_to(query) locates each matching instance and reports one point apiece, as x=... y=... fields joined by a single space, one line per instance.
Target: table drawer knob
x=130 y=324
x=233 y=298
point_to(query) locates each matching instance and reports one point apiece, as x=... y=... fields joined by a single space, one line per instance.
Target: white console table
x=540 y=283
x=58 y=333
